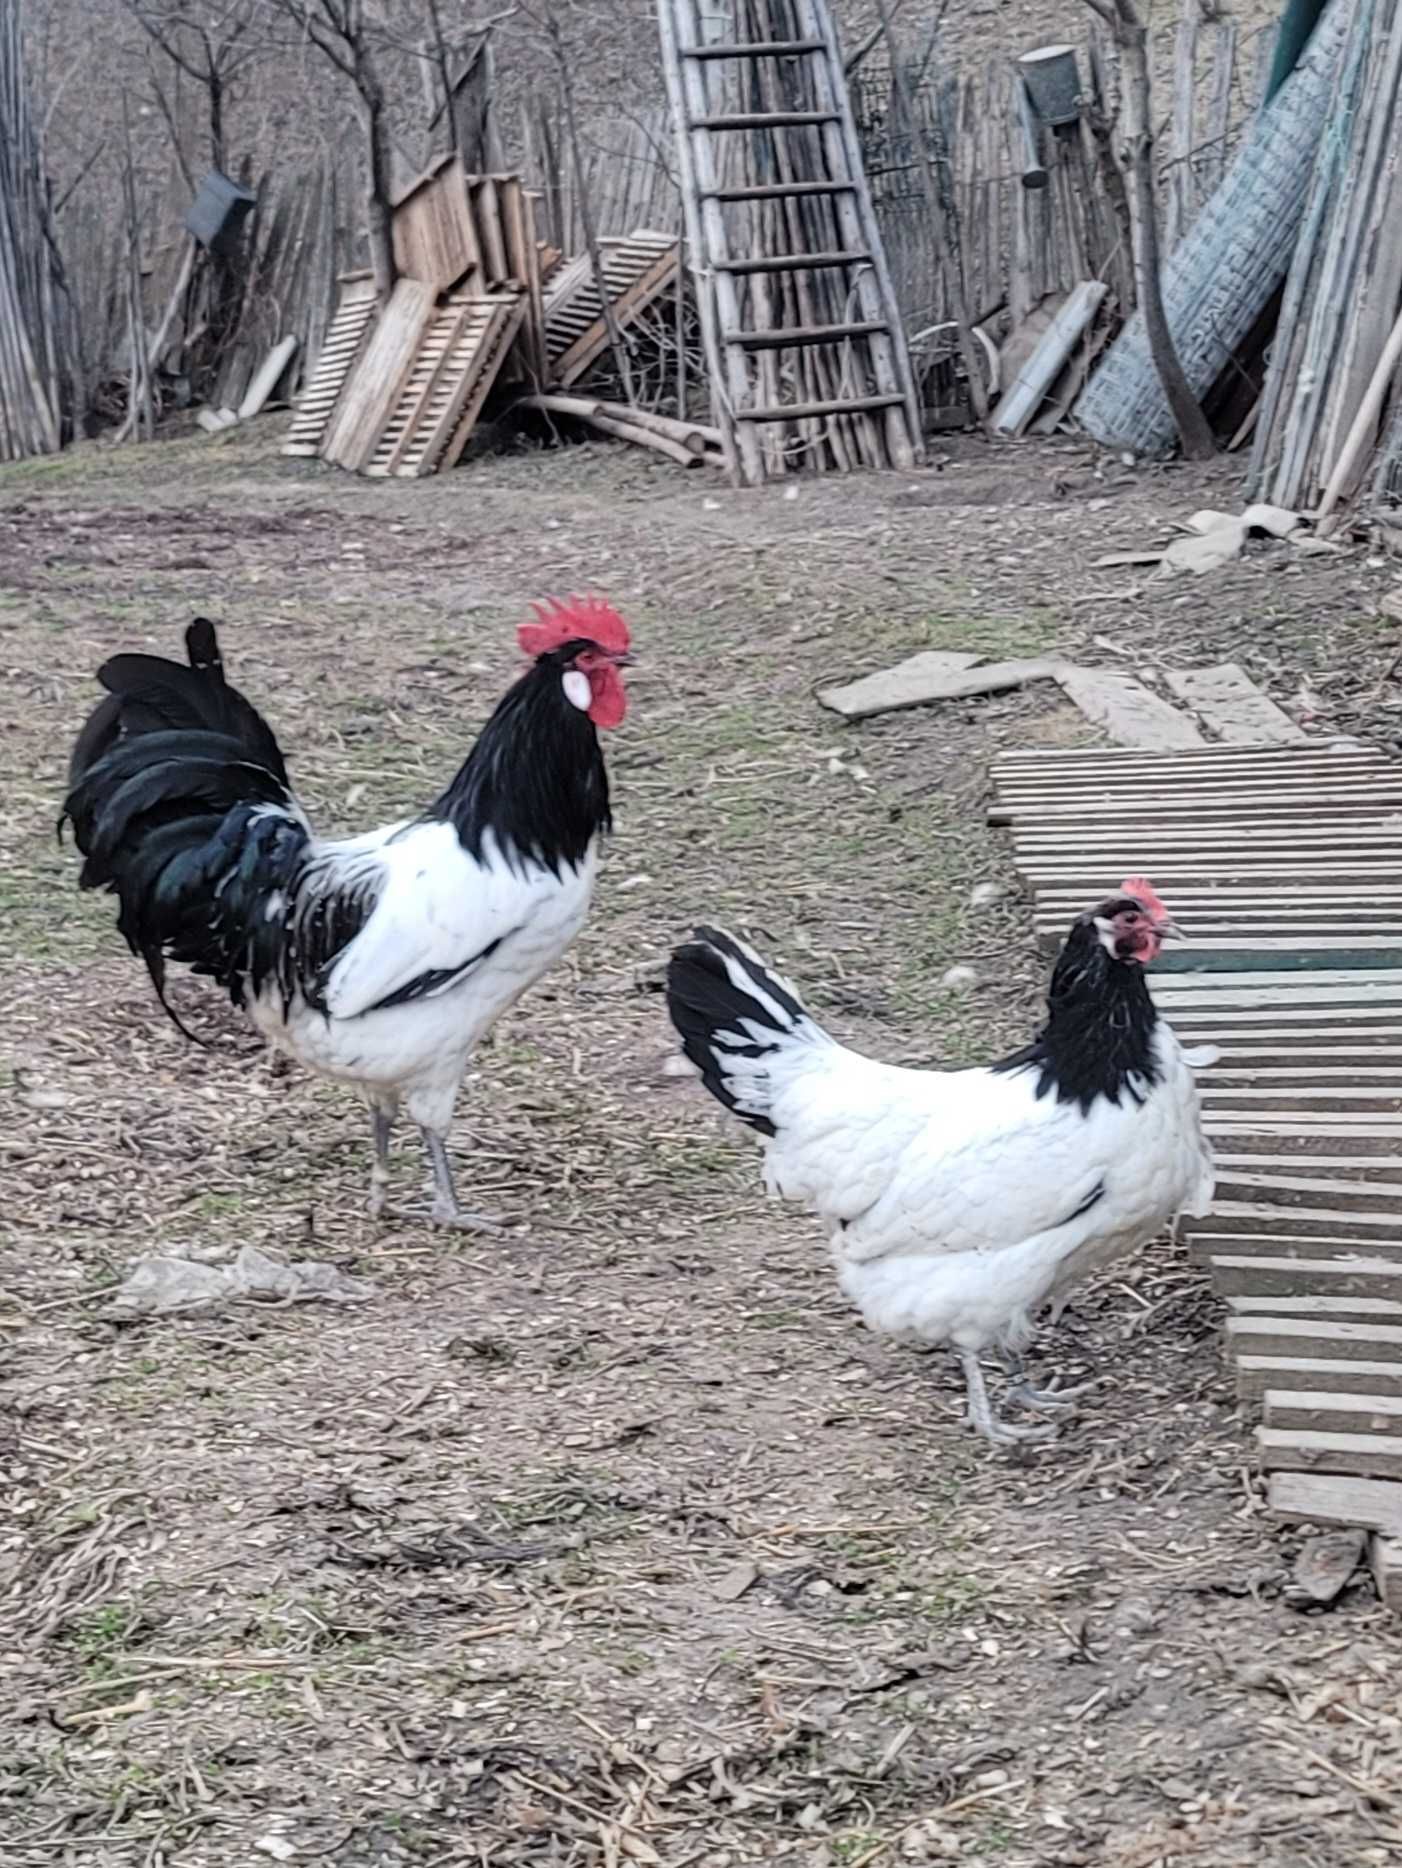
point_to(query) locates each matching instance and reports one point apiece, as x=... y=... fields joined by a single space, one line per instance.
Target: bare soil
x=618 y=1540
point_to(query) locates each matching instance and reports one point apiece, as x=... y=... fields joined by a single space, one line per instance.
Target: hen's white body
x=959 y=1203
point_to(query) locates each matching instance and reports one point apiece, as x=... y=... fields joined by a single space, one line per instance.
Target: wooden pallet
x=344 y=341
x=636 y=269
x=1283 y=864
x=455 y=366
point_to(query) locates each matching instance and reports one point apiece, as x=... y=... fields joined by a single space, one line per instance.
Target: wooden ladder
x=816 y=243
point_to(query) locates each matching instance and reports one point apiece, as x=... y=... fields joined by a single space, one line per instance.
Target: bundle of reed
x=1337 y=344
x=39 y=357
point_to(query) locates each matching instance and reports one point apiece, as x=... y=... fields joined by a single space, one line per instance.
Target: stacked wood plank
x=1284 y=866
x=398 y=388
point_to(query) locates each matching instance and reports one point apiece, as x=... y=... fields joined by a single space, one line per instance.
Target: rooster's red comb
x=1142 y=889
x=567 y=620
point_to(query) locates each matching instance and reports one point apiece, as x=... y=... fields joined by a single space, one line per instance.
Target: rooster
x=379 y=960
x=958 y=1203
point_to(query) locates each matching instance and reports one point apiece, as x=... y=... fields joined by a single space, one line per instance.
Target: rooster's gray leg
x=1042 y=1400
x=383 y=1121
x=446 y=1211
x=981 y=1416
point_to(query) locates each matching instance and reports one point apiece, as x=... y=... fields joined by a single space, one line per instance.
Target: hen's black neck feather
x=536 y=776
x=1099 y=1036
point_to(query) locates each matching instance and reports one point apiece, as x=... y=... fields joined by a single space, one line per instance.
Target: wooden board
x=1303 y=1498
x=930 y=677
x=1126 y=709
x=1324 y=1411
x=1232 y=706
x=433 y=229
x=372 y=393
x=1368 y=1455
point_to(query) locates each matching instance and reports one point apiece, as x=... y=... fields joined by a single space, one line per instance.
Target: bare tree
x=353 y=42
x=359 y=38
x=214 y=46
x=1134 y=154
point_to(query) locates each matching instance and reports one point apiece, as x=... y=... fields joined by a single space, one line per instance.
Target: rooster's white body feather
x=491 y=926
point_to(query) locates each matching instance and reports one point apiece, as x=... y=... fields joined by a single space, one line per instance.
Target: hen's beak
x=622 y=661
x=1169 y=930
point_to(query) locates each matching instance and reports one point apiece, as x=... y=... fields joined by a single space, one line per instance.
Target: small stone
x=959 y=978
x=1327 y=1562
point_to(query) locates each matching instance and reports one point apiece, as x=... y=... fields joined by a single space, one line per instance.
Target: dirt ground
x=619 y=1540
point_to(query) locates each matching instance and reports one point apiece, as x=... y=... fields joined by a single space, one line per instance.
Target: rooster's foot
x=981 y=1416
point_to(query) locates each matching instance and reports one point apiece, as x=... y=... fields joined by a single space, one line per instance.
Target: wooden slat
x=1301 y=1498
x=780 y=191
x=794 y=336
x=812 y=411
x=1257 y=1376
x=763 y=120
x=1369 y=1455
x=1302 y=1336
x=1294 y=1410
x=762 y=48
x=1264 y=1278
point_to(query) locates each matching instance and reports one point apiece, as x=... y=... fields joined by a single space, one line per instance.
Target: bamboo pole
x=1347 y=466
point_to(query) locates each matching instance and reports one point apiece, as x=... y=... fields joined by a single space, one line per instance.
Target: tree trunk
x=1137 y=155
x=377 y=188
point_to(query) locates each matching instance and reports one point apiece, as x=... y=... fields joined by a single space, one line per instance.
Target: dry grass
x=615 y=1541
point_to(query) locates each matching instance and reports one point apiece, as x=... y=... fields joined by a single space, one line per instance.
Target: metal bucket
x=1053 y=82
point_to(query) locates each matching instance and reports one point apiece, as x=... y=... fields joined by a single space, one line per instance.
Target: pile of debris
x=479 y=301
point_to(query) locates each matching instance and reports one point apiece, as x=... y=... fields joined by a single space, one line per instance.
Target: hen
x=378 y=960
x=960 y=1202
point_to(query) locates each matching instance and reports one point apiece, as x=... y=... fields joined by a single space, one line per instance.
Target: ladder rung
x=778 y=191
x=764 y=120
x=791 y=262
x=804 y=334
x=805 y=411
x=759 y=48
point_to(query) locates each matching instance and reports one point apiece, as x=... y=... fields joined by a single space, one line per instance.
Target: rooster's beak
x=1169 y=930
x=622 y=661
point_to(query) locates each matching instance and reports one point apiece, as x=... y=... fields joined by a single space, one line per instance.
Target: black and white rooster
x=378 y=960
x=959 y=1203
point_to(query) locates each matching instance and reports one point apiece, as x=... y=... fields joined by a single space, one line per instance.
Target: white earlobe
x=577 y=690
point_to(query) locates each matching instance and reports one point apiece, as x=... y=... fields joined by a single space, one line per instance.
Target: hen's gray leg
x=981 y=1416
x=382 y=1121
x=446 y=1211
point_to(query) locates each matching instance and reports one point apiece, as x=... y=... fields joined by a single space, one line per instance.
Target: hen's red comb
x=1142 y=889
x=558 y=622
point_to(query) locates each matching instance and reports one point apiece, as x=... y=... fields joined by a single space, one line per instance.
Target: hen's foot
x=1047 y=1400
x=457 y=1219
